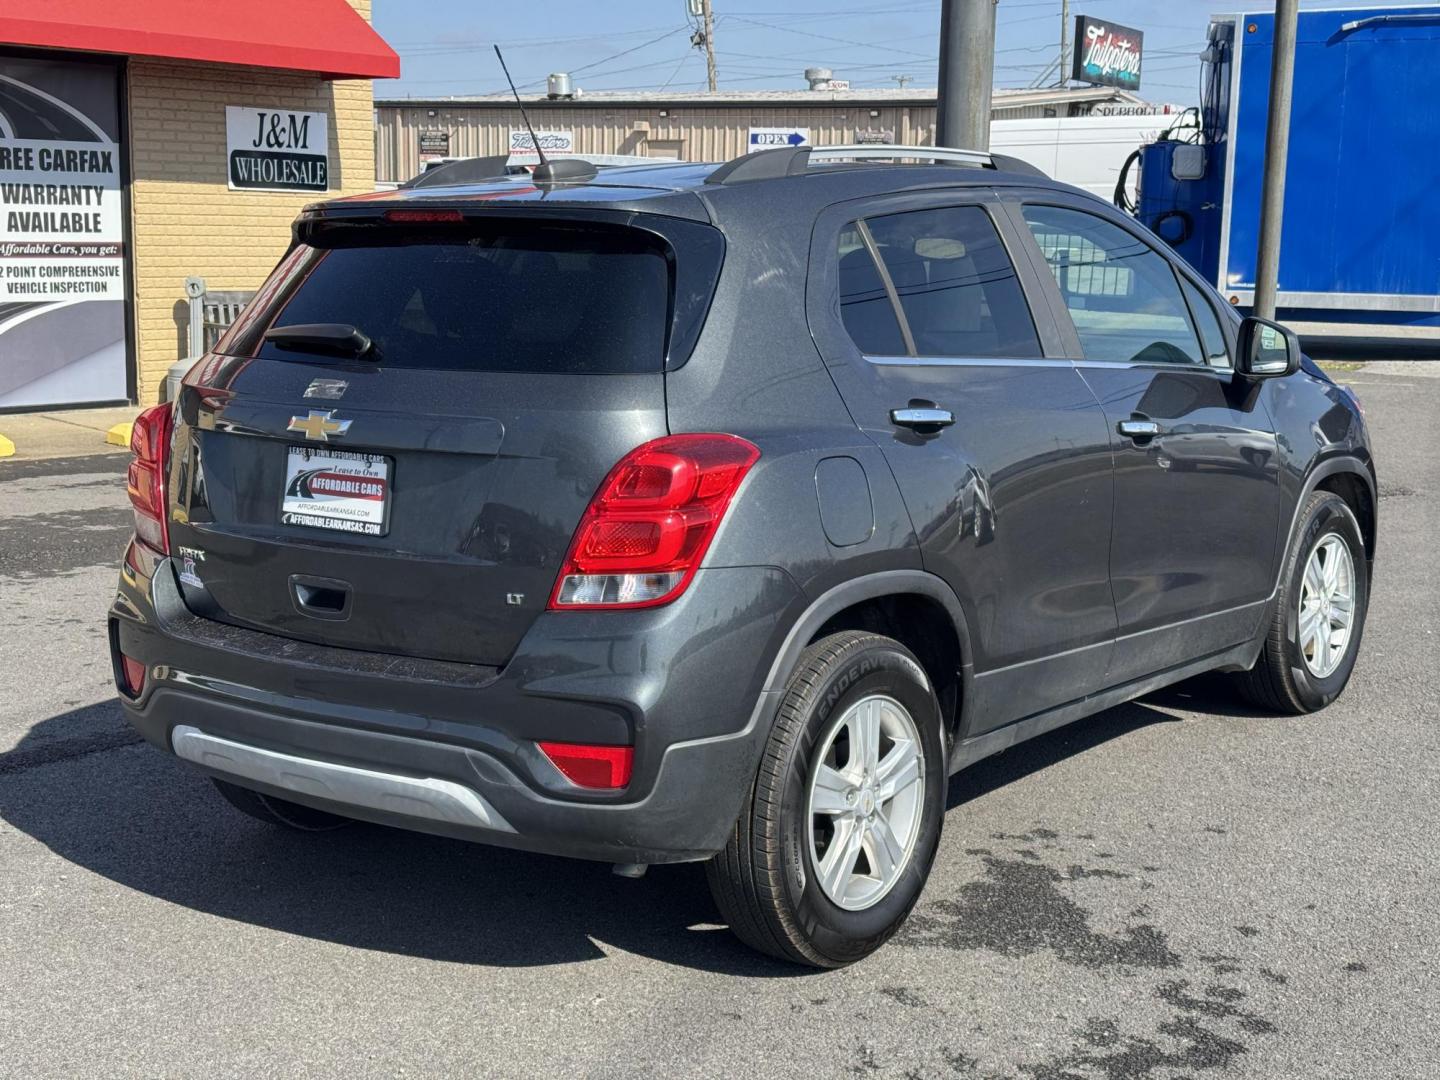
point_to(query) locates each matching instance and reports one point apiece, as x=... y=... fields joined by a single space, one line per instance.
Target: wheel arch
x=918 y=609
x=1353 y=480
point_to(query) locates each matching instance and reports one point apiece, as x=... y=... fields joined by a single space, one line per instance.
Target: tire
x=767 y=880
x=1286 y=677
x=275 y=811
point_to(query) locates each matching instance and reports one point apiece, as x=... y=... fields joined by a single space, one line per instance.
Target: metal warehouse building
x=692 y=127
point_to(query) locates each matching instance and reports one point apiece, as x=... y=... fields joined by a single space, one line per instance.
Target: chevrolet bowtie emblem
x=319 y=425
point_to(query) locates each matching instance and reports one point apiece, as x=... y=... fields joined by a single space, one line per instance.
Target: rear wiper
x=332 y=339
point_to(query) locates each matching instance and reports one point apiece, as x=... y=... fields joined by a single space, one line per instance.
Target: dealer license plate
x=338 y=490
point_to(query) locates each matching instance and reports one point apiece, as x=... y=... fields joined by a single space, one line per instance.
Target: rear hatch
x=417 y=496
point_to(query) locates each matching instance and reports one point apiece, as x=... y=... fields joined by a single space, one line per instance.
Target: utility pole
x=967 y=73
x=1277 y=149
x=709 y=15
x=1064 y=74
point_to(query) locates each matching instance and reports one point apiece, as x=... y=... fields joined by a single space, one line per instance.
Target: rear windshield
x=526 y=297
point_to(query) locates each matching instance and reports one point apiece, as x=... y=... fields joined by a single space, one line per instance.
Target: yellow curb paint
x=7 y=448
x=119 y=435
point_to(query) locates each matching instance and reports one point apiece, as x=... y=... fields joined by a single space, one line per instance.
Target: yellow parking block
x=119 y=435
x=7 y=448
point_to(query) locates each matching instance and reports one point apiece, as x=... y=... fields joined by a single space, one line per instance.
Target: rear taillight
x=145 y=482
x=649 y=525
x=592 y=766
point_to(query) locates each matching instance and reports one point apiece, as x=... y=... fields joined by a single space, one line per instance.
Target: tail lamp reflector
x=134 y=672
x=650 y=523
x=600 y=767
x=145 y=480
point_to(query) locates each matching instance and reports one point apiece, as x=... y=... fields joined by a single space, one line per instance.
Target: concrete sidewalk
x=65 y=433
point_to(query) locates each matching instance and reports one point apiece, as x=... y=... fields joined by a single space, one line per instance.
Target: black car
x=701 y=512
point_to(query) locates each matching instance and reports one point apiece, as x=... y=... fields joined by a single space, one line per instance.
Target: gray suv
x=699 y=512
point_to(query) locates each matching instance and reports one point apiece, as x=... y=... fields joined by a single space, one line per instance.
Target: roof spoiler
x=795 y=160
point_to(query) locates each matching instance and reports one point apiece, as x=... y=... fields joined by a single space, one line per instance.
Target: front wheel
x=836 y=836
x=1314 y=634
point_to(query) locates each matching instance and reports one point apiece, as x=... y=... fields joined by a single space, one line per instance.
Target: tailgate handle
x=320 y=598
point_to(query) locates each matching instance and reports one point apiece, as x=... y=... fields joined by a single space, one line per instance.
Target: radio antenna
x=523 y=114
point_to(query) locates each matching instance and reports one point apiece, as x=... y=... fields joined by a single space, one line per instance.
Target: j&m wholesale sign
x=277 y=149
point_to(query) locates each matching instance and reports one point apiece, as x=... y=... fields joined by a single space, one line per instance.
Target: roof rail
x=883 y=151
x=795 y=160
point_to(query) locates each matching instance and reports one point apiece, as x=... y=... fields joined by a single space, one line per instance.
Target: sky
x=445 y=45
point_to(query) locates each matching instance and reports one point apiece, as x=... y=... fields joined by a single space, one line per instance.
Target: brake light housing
x=145 y=479
x=649 y=525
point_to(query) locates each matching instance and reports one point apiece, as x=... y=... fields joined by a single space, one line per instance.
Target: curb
x=7 y=448
x=119 y=435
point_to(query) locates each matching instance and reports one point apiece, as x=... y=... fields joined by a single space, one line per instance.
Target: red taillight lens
x=592 y=766
x=647 y=528
x=134 y=673
x=145 y=481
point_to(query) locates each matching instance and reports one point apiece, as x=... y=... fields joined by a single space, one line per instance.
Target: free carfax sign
x=1107 y=54
x=277 y=149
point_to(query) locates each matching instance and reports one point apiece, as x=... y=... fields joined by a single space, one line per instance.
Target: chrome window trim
x=968 y=361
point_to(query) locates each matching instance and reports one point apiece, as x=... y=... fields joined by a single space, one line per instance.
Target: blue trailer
x=1360 y=253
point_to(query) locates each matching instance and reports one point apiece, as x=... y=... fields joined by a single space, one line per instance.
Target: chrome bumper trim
x=416 y=797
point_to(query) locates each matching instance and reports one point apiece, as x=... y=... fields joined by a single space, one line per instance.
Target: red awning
x=326 y=37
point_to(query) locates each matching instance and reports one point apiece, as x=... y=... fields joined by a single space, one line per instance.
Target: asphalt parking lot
x=1177 y=888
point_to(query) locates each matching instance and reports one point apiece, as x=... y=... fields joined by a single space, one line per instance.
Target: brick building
x=146 y=142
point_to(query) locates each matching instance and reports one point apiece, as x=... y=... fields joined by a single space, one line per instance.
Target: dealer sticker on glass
x=337 y=489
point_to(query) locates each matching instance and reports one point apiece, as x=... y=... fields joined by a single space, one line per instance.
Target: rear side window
x=520 y=297
x=1122 y=295
x=958 y=292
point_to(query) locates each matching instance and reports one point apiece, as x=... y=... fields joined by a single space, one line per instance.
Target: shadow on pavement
x=145 y=821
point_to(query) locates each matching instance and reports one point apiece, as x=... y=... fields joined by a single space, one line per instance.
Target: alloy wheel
x=866 y=796
x=1327 y=606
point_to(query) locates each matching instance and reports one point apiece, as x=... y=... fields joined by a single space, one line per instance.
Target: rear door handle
x=922 y=418
x=1138 y=429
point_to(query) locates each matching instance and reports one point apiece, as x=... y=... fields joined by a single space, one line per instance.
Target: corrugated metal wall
x=690 y=133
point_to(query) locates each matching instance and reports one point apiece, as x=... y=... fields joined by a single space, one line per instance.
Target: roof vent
x=558 y=85
x=819 y=78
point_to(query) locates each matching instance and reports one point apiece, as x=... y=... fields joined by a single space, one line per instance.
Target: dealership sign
x=554 y=143
x=277 y=149
x=62 y=234
x=1107 y=54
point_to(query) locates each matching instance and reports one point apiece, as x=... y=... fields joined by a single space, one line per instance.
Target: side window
x=865 y=306
x=957 y=288
x=1123 y=296
x=958 y=292
x=1212 y=337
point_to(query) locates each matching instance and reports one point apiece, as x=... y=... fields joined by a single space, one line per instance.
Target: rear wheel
x=836 y=836
x=275 y=811
x=1314 y=634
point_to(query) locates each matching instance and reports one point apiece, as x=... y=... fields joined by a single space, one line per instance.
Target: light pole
x=1277 y=148
x=967 y=72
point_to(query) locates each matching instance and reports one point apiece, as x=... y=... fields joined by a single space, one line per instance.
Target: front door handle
x=924 y=419
x=1138 y=429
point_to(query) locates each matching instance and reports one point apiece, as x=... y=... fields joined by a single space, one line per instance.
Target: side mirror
x=1266 y=350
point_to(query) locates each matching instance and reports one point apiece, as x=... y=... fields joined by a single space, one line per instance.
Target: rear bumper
x=450 y=749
